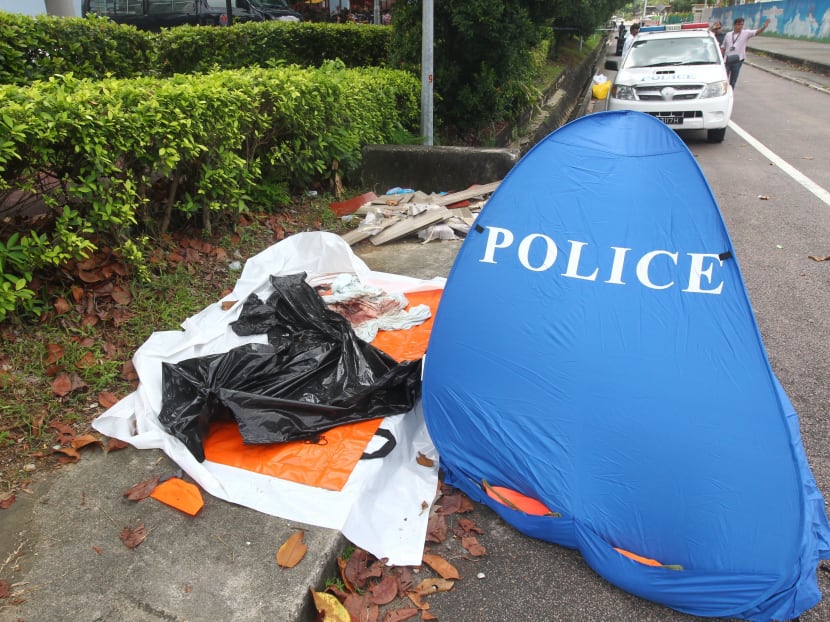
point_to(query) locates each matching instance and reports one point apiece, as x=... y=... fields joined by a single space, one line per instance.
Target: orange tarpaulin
x=327 y=464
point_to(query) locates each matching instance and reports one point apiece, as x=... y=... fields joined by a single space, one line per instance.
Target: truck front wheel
x=715 y=136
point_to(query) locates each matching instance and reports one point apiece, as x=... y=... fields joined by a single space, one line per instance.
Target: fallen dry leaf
x=133 y=537
x=98 y=550
x=472 y=545
x=70 y=454
x=373 y=570
x=86 y=439
x=113 y=444
x=292 y=550
x=6 y=500
x=62 y=306
x=436 y=529
x=399 y=615
x=441 y=566
x=424 y=461
x=89 y=320
x=62 y=385
x=121 y=296
x=141 y=490
x=86 y=361
x=54 y=352
x=107 y=399
x=128 y=371
x=384 y=592
x=352 y=569
x=343 y=565
x=227 y=304
x=405 y=580
x=359 y=607
x=450 y=504
x=468 y=525
x=4 y=589
x=433 y=586
x=818 y=257
x=332 y=610
x=65 y=433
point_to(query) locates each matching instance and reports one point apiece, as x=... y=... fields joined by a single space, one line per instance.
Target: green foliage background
x=484 y=51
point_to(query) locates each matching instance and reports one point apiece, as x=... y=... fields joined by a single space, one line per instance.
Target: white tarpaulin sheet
x=381 y=507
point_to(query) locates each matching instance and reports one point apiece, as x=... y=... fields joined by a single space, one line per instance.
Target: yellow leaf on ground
x=292 y=551
x=331 y=608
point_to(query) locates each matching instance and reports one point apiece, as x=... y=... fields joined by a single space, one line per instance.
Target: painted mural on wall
x=806 y=19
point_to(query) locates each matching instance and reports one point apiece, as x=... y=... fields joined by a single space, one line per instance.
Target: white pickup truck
x=677 y=76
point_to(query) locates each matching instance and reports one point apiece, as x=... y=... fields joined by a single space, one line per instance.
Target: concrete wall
x=448 y=169
x=433 y=169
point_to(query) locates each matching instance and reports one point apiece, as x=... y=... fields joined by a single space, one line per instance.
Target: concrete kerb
x=801 y=62
x=447 y=168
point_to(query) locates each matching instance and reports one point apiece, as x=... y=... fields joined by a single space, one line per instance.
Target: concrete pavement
x=810 y=55
x=61 y=552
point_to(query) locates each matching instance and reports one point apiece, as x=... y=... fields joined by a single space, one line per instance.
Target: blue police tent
x=596 y=376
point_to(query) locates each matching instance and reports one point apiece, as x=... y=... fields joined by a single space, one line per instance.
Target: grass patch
x=91 y=339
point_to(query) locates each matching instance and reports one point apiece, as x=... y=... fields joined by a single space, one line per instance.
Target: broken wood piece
x=362 y=232
x=408 y=225
x=457 y=197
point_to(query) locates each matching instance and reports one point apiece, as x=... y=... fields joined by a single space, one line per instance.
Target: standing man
x=717 y=30
x=734 y=47
x=629 y=40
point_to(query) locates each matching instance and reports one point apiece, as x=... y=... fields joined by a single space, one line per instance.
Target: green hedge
x=116 y=159
x=188 y=49
x=35 y=48
x=93 y=47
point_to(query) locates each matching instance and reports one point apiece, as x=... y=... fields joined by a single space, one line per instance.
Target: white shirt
x=735 y=42
x=629 y=41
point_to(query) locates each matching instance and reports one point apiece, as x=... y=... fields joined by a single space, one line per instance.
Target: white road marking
x=790 y=170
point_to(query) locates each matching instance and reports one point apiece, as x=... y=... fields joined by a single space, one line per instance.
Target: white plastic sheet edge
x=383 y=508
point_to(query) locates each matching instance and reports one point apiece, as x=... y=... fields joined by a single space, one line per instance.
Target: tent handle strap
x=384 y=450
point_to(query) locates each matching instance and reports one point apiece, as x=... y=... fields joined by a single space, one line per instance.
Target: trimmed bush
x=112 y=160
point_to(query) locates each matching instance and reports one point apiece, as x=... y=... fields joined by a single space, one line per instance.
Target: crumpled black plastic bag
x=314 y=374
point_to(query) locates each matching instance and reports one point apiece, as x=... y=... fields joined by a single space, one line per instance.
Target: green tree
x=483 y=52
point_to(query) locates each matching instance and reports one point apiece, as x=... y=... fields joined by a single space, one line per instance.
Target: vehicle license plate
x=671 y=120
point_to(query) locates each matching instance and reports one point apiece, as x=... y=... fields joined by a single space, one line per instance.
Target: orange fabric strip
x=517 y=501
x=638 y=558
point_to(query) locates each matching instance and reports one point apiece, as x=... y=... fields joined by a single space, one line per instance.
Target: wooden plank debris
x=469 y=193
x=410 y=225
x=361 y=233
x=392 y=216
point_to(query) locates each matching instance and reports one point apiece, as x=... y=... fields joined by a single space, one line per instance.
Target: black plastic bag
x=314 y=374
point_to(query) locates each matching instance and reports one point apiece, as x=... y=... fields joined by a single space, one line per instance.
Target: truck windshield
x=667 y=52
